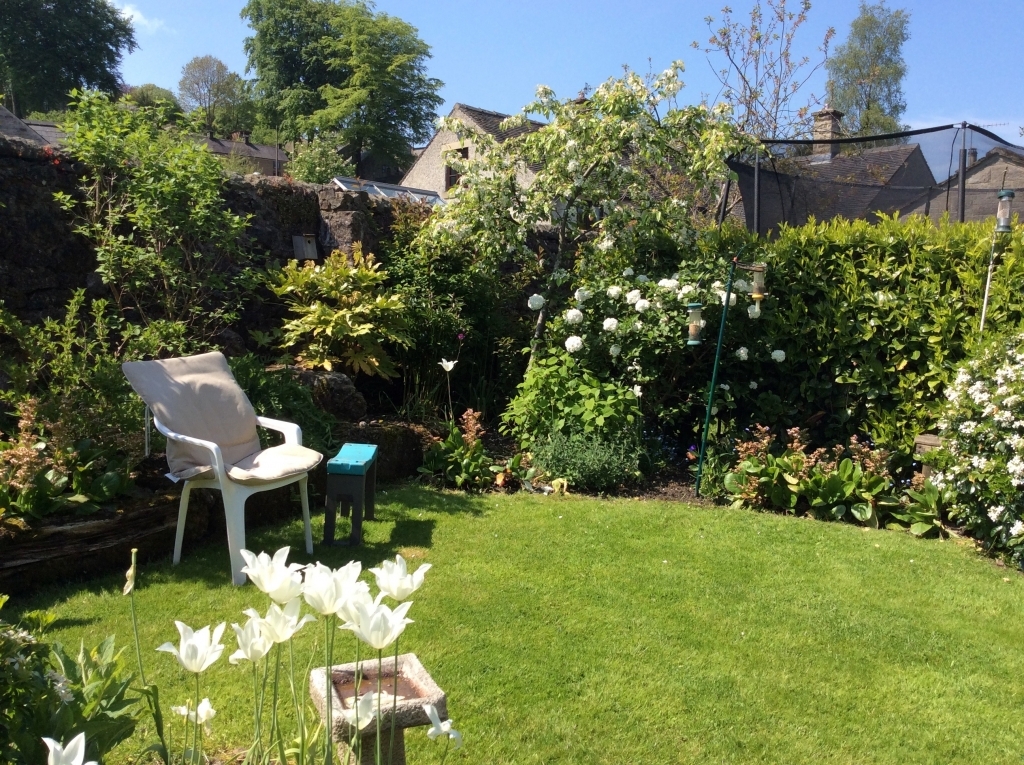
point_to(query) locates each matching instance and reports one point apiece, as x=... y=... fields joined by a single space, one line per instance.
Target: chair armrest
x=292 y=432
x=218 y=458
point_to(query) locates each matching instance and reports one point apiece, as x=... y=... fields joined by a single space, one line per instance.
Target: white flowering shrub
x=319 y=161
x=982 y=459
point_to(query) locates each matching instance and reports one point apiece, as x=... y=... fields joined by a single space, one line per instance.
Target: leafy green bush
x=319 y=160
x=560 y=395
x=150 y=202
x=982 y=459
x=595 y=461
x=459 y=460
x=344 y=315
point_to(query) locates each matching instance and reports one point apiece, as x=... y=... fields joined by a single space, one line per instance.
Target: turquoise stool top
x=353 y=459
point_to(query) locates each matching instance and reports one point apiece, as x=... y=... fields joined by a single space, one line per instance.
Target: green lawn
x=574 y=630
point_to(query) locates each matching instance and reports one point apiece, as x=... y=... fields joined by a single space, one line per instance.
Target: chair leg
x=234 y=518
x=179 y=534
x=304 y=496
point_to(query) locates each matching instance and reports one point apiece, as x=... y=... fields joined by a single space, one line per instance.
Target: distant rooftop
x=389 y=190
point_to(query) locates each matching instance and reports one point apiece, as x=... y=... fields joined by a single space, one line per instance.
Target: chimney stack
x=826 y=130
x=972 y=157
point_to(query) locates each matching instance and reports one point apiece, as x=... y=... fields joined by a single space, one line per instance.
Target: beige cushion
x=197 y=396
x=274 y=463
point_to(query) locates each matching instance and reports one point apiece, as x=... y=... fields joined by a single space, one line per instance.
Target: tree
x=619 y=178
x=866 y=73
x=151 y=95
x=48 y=49
x=759 y=74
x=286 y=54
x=385 y=101
x=237 y=110
x=340 y=67
x=205 y=84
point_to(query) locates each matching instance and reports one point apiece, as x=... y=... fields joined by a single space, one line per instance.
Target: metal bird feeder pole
x=1003 y=226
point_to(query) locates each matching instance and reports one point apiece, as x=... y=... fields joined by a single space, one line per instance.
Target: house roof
x=48 y=130
x=244 y=149
x=869 y=167
x=490 y=122
x=12 y=127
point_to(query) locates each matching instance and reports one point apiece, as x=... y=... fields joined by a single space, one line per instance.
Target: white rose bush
x=981 y=463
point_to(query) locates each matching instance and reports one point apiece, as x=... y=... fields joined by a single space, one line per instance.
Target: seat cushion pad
x=274 y=463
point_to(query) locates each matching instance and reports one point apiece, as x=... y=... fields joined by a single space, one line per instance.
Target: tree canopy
x=341 y=67
x=866 y=73
x=50 y=47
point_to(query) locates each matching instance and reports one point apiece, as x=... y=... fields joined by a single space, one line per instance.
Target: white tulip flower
x=326 y=589
x=395 y=581
x=446 y=365
x=614 y=292
x=574 y=316
x=573 y=343
x=197 y=650
x=361 y=713
x=253 y=645
x=377 y=625
x=642 y=305
x=779 y=356
x=281 y=581
x=72 y=754
x=204 y=713
x=610 y=324
x=615 y=350
x=637 y=391
x=536 y=302
x=438 y=728
x=279 y=625
x=129 y=576
x=632 y=296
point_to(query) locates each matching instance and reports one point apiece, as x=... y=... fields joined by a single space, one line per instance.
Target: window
x=451 y=177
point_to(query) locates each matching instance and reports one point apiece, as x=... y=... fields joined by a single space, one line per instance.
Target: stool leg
x=330 y=518
x=370 y=489
x=356 y=538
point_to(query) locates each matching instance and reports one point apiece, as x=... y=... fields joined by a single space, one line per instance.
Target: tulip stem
x=394 y=710
x=355 y=704
x=300 y=712
x=380 y=654
x=197 y=743
x=444 y=754
x=329 y=689
x=256 y=710
x=275 y=730
x=135 y=629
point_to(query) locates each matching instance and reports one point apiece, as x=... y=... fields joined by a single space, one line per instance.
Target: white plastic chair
x=200 y=393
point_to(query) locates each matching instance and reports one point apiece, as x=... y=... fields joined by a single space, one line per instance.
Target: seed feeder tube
x=695 y=322
x=1003 y=211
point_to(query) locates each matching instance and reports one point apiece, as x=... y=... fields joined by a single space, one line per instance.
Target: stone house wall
x=984 y=179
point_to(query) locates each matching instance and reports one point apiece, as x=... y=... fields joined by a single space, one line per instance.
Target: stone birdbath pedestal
x=415 y=688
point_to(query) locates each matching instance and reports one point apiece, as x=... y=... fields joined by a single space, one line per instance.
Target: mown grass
x=570 y=630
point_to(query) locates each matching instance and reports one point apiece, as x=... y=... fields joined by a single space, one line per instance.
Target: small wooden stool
x=351 y=477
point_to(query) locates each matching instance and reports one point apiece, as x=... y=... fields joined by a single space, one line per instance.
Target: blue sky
x=961 y=55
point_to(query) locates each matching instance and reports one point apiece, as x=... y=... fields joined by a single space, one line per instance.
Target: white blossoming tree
x=617 y=174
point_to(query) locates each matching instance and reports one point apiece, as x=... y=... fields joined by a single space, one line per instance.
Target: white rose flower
x=536 y=302
x=583 y=295
x=779 y=356
x=668 y=284
x=996 y=513
x=753 y=385
x=1017 y=529
x=628 y=272
x=732 y=298
x=614 y=292
x=686 y=290
x=754 y=311
x=610 y=324
x=638 y=391
x=642 y=305
x=742 y=353
x=605 y=244
x=615 y=350
x=642 y=279
x=638 y=325
x=573 y=343
x=632 y=296
x=574 y=316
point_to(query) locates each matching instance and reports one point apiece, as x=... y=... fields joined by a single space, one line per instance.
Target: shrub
x=344 y=315
x=150 y=202
x=982 y=459
x=319 y=161
x=459 y=459
x=593 y=461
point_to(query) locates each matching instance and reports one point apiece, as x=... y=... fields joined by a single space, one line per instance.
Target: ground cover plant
x=576 y=630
